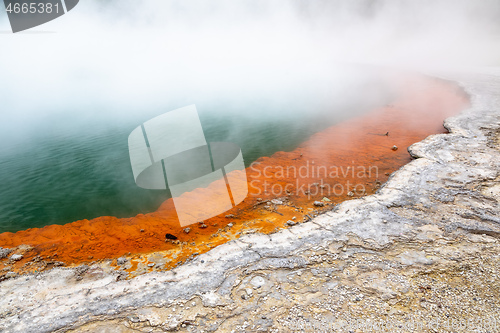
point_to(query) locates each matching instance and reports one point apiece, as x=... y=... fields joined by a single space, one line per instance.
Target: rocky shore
x=422 y=254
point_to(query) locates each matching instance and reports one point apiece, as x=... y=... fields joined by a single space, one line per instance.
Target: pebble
x=290 y=222
x=258 y=281
x=318 y=203
x=230 y=216
x=16 y=257
x=394 y=148
x=187 y=230
x=121 y=260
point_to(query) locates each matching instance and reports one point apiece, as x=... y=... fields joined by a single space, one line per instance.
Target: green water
x=82 y=170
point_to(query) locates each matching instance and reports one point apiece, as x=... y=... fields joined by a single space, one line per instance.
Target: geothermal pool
x=71 y=167
x=298 y=165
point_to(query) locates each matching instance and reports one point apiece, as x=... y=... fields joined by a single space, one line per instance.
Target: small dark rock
x=170 y=236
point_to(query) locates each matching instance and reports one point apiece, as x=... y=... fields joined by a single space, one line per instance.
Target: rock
x=318 y=203
x=121 y=276
x=394 y=148
x=277 y=202
x=290 y=222
x=258 y=281
x=325 y=199
x=230 y=216
x=203 y=226
x=121 y=261
x=4 y=252
x=170 y=237
x=187 y=230
x=24 y=248
x=80 y=270
x=230 y=225
x=8 y=275
x=16 y=257
x=151 y=264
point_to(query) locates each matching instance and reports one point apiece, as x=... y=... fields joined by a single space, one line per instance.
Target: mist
x=122 y=60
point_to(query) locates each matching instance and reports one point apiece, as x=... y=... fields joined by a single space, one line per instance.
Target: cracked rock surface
x=423 y=254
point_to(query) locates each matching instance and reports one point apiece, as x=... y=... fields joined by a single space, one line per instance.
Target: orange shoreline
x=345 y=161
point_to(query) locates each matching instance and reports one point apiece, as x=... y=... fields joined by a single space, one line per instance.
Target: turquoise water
x=81 y=169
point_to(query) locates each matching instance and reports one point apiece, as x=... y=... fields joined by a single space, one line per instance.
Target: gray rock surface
x=4 y=252
x=423 y=251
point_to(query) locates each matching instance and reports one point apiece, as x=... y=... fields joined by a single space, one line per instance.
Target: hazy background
x=126 y=57
x=264 y=74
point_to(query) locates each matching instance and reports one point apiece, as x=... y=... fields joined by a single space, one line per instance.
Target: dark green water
x=81 y=170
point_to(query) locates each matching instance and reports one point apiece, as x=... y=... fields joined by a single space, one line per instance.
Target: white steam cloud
x=123 y=58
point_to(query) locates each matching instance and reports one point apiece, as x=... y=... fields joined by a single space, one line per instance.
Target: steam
x=128 y=59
